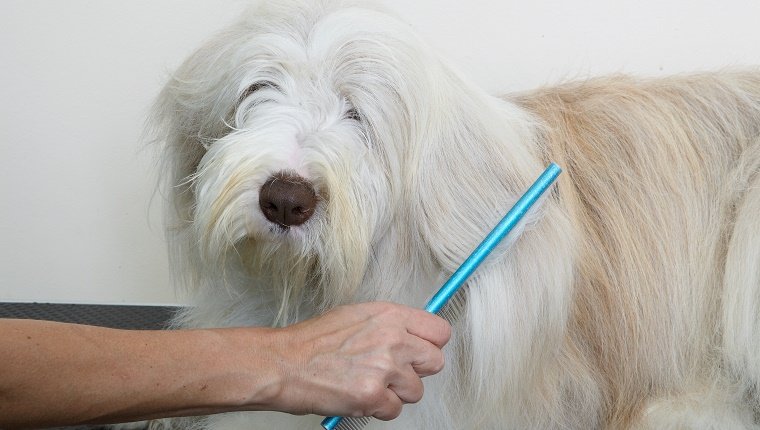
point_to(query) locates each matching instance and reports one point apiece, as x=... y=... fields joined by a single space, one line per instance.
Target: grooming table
x=114 y=316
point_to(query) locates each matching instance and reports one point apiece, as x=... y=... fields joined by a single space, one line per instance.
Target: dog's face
x=286 y=136
x=310 y=138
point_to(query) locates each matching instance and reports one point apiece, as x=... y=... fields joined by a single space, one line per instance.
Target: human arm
x=362 y=359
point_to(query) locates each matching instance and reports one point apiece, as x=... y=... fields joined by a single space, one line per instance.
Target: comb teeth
x=351 y=423
x=454 y=308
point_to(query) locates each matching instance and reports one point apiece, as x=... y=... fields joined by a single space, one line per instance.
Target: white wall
x=77 y=77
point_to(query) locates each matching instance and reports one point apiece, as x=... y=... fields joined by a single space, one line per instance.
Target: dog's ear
x=473 y=156
x=192 y=110
x=457 y=158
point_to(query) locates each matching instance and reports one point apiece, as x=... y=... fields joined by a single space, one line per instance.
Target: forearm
x=54 y=374
x=363 y=359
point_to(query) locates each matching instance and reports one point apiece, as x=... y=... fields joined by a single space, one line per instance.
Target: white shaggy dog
x=632 y=302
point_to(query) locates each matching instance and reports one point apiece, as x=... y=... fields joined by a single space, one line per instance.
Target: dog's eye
x=257 y=86
x=353 y=114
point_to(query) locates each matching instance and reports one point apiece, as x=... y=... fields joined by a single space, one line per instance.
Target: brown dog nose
x=287 y=199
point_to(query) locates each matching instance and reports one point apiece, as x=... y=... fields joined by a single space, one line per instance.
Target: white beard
x=630 y=301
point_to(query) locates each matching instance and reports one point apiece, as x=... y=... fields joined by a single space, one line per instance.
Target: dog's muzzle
x=287 y=199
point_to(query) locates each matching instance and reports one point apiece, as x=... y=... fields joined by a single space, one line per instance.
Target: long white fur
x=633 y=303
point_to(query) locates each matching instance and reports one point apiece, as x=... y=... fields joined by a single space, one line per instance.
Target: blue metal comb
x=455 y=282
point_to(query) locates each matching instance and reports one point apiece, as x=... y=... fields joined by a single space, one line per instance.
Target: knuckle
x=395 y=411
x=384 y=307
x=370 y=391
x=416 y=396
x=438 y=362
x=395 y=313
x=445 y=331
x=416 y=392
x=386 y=365
x=440 y=331
x=393 y=337
x=392 y=411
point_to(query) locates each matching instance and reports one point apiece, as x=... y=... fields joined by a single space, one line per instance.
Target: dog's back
x=662 y=183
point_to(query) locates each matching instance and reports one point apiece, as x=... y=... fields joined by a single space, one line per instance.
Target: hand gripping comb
x=455 y=282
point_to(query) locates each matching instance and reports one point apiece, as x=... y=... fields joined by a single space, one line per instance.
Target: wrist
x=281 y=376
x=249 y=373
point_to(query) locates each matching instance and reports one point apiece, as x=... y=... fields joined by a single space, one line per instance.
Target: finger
x=428 y=360
x=390 y=408
x=408 y=386
x=430 y=327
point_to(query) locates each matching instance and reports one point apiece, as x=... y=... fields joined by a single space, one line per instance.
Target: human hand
x=358 y=360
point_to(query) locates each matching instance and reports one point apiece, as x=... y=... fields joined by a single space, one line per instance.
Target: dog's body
x=632 y=299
